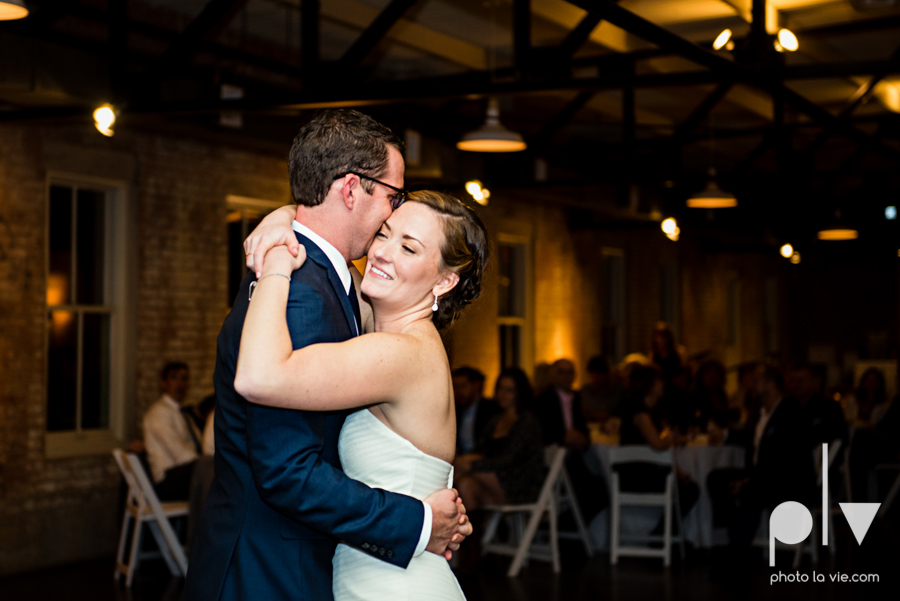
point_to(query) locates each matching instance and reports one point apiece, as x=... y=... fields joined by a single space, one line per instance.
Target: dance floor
x=703 y=576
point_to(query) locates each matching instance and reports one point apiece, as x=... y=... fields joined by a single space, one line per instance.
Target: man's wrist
x=425 y=536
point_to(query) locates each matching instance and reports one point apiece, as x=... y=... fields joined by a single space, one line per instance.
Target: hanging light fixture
x=838 y=231
x=492 y=136
x=12 y=9
x=479 y=193
x=670 y=229
x=712 y=197
x=786 y=41
x=787 y=251
x=722 y=39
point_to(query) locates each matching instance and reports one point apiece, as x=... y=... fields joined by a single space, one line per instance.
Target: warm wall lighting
x=722 y=39
x=838 y=233
x=104 y=119
x=492 y=137
x=787 y=251
x=890 y=212
x=12 y=9
x=670 y=229
x=477 y=192
x=787 y=41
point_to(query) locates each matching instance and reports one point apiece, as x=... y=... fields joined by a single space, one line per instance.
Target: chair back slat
x=644 y=453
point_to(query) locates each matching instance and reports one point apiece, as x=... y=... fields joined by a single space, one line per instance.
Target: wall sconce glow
x=477 y=192
x=890 y=212
x=11 y=10
x=670 y=229
x=787 y=251
x=838 y=233
x=104 y=119
x=795 y=258
x=787 y=41
x=722 y=39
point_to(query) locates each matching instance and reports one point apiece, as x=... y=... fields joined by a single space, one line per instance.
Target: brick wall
x=60 y=510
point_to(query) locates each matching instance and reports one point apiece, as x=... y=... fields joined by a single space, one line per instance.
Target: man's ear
x=447 y=282
x=350 y=189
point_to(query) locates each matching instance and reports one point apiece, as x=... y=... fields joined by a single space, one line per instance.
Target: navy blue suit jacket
x=279 y=502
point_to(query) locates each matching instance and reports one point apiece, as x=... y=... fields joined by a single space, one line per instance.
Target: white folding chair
x=895 y=488
x=556 y=492
x=142 y=506
x=664 y=499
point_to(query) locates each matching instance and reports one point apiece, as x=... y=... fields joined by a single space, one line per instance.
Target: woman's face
x=403 y=260
x=505 y=393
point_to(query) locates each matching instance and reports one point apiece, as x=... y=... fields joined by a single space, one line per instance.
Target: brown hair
x=465 y=251
x=335 y=143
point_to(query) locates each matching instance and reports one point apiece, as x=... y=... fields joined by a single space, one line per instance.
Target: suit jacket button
x=381 y=551
x=390 y=554
x=365 y=546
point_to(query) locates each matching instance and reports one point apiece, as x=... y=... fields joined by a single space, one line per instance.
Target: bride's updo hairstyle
x=465 y=250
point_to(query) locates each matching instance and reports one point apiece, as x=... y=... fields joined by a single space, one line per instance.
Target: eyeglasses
x=396 y=199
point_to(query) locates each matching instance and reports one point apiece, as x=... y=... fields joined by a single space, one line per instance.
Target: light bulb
x=890 y=212
x=104 y=119
x=722 y=39
x=795 y=258
x=669 y=226
x=787 y=40
x=787 y=250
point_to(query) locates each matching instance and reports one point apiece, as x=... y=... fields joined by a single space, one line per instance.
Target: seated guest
x=170 y=436
x=641 y=427
x=866 y=412
x=664 y=352
x=600 y=397
x=709 y=400
x=870 y=403
x=780 y=460
x=744 y=400
x=823 y=416
x=473 y=411
x=562 y=420
x=508 y=465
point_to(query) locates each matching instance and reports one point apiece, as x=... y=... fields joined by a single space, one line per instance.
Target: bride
x=423 y=267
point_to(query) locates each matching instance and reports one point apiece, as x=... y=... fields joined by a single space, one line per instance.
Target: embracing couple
x=334 y=449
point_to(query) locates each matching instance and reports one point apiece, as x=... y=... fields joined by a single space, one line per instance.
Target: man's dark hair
x=171 y=367
x=335 y=143
x=470 y=373
x=598 y=365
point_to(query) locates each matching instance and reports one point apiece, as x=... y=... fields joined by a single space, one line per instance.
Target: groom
x=280 y=503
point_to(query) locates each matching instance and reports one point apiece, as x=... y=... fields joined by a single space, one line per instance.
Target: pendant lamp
x=838 y=231
x=712 y=197
x=492 y=136
x=12 y=9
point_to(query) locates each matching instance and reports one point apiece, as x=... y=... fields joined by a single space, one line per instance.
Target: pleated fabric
x=379 y=457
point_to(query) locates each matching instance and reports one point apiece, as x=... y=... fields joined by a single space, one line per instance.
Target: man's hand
x=575 y=439
x=450 y=524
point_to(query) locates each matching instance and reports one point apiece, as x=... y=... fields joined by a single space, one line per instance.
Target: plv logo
x=792 y=522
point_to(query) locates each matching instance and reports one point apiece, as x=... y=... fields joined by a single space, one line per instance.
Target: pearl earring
x=434 y=307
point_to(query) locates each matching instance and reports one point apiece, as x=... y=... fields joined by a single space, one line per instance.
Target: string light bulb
x=787 y=251
x=479 y=193
x=670 y=229
x=786 y=41
x=722 y=39
x=104 y=119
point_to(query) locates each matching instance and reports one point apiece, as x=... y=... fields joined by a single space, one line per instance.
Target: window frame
x=524 y=322
x=117 y=303
x=234 y=202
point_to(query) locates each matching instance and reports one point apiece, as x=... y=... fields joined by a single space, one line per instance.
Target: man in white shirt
x=170 y=436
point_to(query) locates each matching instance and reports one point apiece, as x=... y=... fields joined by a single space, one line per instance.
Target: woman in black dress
x=508 y=465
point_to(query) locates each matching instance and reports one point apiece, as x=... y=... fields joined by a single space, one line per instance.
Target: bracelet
x=252 y=284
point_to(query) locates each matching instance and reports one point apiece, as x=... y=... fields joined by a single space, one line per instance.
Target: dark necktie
x=188 y=420
x=354 y=302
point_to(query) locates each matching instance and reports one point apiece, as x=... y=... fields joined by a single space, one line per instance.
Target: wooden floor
x=703 y=576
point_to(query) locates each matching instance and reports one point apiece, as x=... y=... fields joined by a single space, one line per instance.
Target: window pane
x=62 y=365
x=510 y=346
x=511 y=259
x=95 y=372
x=91 y=217
x=59 y=280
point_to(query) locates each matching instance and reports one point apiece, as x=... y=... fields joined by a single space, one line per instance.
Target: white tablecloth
x=697 y=462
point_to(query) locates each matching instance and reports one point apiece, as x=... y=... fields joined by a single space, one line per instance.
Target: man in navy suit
x=280 y=503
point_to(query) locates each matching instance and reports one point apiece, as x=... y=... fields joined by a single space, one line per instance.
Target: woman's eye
x=409 y=250
x=380 y=235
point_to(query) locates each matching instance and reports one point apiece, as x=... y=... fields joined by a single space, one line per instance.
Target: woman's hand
x=279 y=259
x=274 y=230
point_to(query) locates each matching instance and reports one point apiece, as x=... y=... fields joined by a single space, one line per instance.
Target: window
x=244 y=214
x=613 y=330
x=85 y=322
x=513 y=258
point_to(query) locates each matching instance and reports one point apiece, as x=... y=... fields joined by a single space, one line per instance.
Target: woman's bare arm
x=646 y=427
x=361 y=371
x=273 y=230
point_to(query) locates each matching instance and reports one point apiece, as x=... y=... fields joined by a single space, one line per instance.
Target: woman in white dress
x=423 y=267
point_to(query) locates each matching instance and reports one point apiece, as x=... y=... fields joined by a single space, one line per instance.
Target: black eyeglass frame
x=401 y=196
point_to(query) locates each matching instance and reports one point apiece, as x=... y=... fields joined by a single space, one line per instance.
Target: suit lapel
x=316 y=254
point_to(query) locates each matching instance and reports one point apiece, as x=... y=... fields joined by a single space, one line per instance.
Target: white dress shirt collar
x=336 y=258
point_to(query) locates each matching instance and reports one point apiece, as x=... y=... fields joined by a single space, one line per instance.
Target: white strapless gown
x=379 y=457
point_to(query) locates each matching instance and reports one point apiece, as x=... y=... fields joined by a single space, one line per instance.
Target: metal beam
x=703 y=110
x=214 y=18
x=560 y=119
x=578 y=36
x=723 y=67
x=367 y=41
